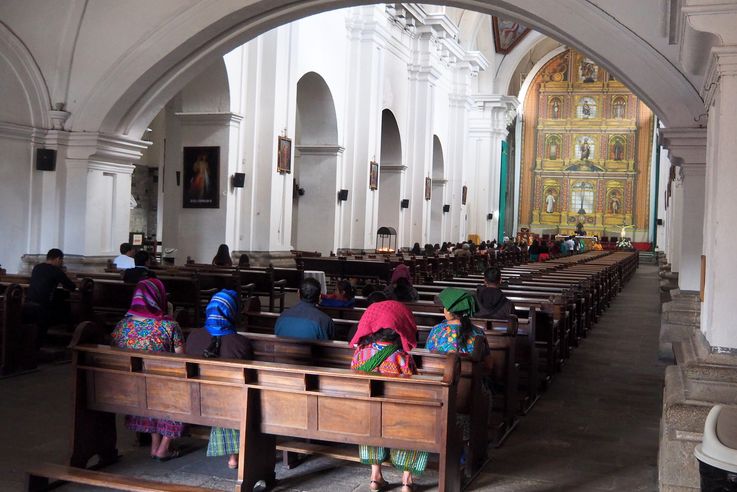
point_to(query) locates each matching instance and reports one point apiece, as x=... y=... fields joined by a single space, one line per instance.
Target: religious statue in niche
x=587 y=71
x=616 y=152
x=619 y=108
x=587 y=108
x=585 y=149
x=551 y=197
x=554 y=147
x=615 y=201
x=555 y=108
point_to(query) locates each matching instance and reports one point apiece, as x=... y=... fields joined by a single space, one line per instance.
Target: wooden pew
x=264 y=400
x=265 y=285
x=17 y=343
x=338 y=354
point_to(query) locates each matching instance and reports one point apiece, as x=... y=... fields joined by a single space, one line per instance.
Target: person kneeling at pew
x=386 y=334
x=147 y=326
x=458 y=334
x=218 y=339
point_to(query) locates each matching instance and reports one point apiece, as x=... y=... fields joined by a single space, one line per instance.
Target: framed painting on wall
x=201 y=170
x=373 y=175
x=428 y=188
x=284 y=155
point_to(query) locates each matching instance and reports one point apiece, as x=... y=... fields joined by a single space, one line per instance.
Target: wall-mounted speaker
x=404 y=203
x=489 y=216
x=239 y=180
x=446 y=209
x=45 y=159
x=660 y=221
x=179 y=177
x=342 y=195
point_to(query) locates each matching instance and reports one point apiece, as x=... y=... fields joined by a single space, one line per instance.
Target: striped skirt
x=223 y=442
x=402 y=459
x=150 y=425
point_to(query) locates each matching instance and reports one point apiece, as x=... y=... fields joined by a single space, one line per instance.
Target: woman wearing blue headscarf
x=219 y=339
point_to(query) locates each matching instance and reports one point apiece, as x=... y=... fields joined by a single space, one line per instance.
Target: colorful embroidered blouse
x=400 y=363
x=443 y=338
x=147 y=334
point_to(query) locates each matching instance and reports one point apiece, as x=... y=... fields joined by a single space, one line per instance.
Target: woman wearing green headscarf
x=456 y=333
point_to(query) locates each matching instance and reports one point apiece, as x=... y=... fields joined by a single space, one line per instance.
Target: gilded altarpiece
x=586 y=152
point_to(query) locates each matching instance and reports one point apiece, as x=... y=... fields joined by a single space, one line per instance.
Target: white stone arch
x=28 y=85
x=141 y=80
x=316 y=162
x=392 y=173
x=437 y=217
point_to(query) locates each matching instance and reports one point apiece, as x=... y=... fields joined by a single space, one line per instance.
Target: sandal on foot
x=378 y=484
x=407 y=487
x=173 y=454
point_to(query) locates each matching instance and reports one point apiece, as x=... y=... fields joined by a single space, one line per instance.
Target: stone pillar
x=687 y=150
x=487 y=130
x=358 y=217
x=720 y=224
x=423 y=76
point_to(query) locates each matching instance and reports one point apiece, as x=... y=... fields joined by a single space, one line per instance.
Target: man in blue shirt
x=304 y=320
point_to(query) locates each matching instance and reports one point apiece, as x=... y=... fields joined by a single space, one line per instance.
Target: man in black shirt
x=493 y=303
x=44 y=304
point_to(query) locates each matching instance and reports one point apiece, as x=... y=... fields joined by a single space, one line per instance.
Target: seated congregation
x=439 y=357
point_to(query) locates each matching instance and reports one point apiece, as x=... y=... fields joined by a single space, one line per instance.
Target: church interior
x=345 y=141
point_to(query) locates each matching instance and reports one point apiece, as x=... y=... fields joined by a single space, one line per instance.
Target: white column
x=720 y=224
x=687 y=149
x=358 y=217
x=94 y=211
x=422 y=78
x=487 y=130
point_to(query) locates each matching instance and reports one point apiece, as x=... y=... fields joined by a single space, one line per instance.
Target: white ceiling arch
x=135 y=85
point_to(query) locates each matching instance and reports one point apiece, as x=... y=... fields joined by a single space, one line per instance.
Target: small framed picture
x=464 y=195
x=373 y=175
x=136 y=238
x=201 y=170
x=428 y=188
x=284 y=155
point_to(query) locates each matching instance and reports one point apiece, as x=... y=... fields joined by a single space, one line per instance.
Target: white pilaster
x=687 y=150
x=720 y=224
x=487 y=130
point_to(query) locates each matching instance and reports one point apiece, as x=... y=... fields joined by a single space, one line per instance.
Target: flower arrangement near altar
x=624 y=243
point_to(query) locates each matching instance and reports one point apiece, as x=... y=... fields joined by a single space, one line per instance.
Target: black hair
x=140 y=258
x=54 y=253
x=493 y=275
x=346 y=288
x=310 y=290
x=213 y=349
x=375 y=296
x=383 y=335
x=222 y=257
x=244 y=260
x=466 y=329
x=125 y=247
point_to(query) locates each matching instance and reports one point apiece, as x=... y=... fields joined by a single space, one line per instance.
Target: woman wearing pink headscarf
x=386 y=334
x=400 y=286
x=146 y=326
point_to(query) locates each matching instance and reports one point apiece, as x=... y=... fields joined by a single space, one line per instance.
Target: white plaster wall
x=15 y=177
x=661 y=230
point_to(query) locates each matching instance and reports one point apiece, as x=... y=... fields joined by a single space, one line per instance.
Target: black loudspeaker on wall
x=489 y=216
x=342 y=195
x=239 y=180
x=446 y=209
x=660 y=221
x=404 y=203
x=45 y=159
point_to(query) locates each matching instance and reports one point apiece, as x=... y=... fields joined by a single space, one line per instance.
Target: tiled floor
x=596 y=428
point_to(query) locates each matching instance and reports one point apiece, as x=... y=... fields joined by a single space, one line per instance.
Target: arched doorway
x=315 y=167
x=437 y=224
x=391 y=173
